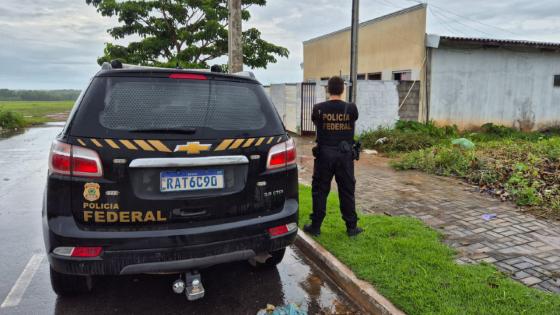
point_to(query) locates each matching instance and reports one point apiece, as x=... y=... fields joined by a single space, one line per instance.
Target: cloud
x=55 y=43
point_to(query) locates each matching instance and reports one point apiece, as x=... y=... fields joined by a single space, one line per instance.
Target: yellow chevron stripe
x=236 y=144
x=270 y=140
x=249 y=142
x=159 y=145
x=97 y=143
x=112 y=144
x=224 y=145
x=82 y=143
x=128 y=145
x=144 y=145
x=259 y=142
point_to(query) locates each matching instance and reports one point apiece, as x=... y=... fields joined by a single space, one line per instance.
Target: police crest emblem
x=91 y=191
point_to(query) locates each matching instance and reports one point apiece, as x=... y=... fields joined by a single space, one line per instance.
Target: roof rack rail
x=116 y=64
x=248 y=74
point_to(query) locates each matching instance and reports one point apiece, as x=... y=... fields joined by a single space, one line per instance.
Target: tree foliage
x=187 y=33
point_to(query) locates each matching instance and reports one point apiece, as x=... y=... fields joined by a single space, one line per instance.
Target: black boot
x=311 y=229
x=354 y=231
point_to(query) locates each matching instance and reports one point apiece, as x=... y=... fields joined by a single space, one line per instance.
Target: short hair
x=336 y=86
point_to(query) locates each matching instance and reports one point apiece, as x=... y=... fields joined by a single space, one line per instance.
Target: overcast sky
x=54 y=44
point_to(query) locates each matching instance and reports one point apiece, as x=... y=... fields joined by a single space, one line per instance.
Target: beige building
x=449 y=80
x=391 y=47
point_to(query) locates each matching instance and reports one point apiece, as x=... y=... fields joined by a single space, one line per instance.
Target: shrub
x=519 y=170
x=11 y=120
x=407 y=136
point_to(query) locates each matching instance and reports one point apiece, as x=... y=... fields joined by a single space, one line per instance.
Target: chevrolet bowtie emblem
x=192 y=147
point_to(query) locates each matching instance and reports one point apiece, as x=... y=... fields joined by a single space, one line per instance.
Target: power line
x=465 y=17
x=445 y=23
x=465 y=25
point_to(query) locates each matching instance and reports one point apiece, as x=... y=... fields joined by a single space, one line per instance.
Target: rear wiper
x=188 y=131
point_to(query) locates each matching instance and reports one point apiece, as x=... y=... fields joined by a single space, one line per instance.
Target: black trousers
x=329 y=162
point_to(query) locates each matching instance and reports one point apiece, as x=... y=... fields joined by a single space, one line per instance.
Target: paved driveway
x=519 y=244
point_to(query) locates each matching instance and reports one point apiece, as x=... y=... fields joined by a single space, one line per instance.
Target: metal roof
x=362 y=24
x=499 y=42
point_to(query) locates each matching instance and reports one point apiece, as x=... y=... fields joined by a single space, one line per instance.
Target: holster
x=356 y=148
x=315 y=150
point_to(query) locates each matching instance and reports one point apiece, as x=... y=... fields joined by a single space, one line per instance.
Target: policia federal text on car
x=334 y=156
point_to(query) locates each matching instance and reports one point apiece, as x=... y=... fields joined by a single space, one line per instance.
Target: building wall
x=470 y=87
x=409 y=97
x=388 y=44
x=378 y=105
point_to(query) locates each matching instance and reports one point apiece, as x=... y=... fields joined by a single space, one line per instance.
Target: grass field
x=36 y=112
x=407 y=262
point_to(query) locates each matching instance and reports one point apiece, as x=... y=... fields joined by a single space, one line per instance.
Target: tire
x=68 y=285
x=275 y=259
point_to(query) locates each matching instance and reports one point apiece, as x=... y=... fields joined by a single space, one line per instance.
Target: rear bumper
x=171 y=250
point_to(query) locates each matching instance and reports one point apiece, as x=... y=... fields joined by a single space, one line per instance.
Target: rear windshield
x=125 y=107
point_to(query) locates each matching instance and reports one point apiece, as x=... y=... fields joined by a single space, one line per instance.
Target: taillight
x=188 y=76
x=282 y=229
x=66 y=159
x=82 y=252
x=282 y=155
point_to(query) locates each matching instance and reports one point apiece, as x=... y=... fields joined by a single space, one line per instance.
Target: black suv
x=166 y=171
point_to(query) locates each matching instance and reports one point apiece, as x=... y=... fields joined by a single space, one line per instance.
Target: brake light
x=282 y=229
x=187 y=76
x=83 y=252
x=86 y=252
x=282 y=155
x=66 y=159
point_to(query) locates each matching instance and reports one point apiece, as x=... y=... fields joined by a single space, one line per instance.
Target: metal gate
x=307 y=102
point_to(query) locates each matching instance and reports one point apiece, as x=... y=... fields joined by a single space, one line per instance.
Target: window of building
x=374 y=76
x=325 y=79
x=361 y=76
x=402 y=75
x=557 y=80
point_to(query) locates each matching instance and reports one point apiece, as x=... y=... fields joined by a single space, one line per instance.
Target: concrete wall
x=470 y=87
x=409 y=97
x=390 y=43
x=378 y=104
x=287 y=100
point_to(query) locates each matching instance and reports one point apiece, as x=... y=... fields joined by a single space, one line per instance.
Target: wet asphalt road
x=230 y=289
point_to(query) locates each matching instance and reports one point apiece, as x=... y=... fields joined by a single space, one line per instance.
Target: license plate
x=191 y=180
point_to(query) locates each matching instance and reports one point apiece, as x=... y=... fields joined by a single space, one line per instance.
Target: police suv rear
x=168 y=171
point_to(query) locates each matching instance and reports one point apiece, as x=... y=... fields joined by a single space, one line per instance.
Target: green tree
x=188 y=33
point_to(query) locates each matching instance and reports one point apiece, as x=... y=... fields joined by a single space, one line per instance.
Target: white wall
x=378 y=105
x=287 y=100
x=473 y=87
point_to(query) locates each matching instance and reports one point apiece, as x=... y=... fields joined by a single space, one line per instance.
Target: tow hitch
x=192 y=286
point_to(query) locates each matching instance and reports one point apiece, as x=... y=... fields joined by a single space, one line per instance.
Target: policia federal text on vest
x=334 y=156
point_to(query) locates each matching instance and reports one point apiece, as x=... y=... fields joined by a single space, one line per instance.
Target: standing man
x=334 y=156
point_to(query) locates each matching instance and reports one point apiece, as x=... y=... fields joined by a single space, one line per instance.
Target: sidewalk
x=519 y=244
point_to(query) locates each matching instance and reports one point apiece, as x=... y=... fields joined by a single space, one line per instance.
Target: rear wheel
x=275 y=259
x=66 y=285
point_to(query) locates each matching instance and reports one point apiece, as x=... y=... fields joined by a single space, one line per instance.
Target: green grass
x=35 y=112
x=407 y=262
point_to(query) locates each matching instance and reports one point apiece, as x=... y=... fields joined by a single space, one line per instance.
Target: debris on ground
x=371 y=152
x=382 y=140
x=463 y=143
x=489 y=216
x=290 y=309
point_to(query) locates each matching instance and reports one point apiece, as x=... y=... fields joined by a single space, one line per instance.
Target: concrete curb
x=363 y=293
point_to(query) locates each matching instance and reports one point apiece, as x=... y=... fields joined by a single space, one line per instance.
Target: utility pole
x=354 y=51
x=235 y=45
